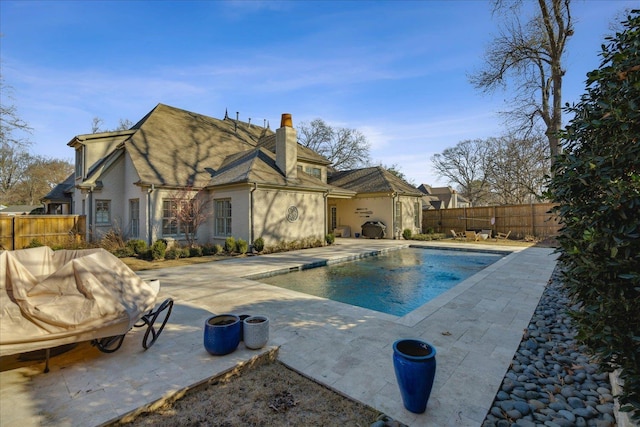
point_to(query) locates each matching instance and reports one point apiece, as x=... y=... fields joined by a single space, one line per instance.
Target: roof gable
x=372 y=180
x=175 y=147
x=61 y=191
x=259 y=166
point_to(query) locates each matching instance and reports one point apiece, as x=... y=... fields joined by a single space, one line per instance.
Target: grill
x=373 y=229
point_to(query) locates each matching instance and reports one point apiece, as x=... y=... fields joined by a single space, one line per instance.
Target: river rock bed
x=552 y=380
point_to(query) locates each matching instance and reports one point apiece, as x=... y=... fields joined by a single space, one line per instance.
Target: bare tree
x=124 y=124
x=13 y=165
x=14 y=143
x=516 y=168
x=97 y=122
x=531 y=54
x=30 y=178
x=12 y=127
x=465 y=165
x=344 y=148
x=395 y=170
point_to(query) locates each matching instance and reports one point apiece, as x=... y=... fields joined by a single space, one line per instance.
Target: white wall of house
x=411 y=206
x=240 y=205
x=113 y=187
x=355 y=212
x=275 y=219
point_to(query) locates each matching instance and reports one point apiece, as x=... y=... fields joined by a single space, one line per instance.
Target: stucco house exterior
x=247 y=180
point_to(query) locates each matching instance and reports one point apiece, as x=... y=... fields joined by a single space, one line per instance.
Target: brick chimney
x=287 y=147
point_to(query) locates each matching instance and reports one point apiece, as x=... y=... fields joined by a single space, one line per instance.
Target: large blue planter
x=222 y=334
x=414 y=362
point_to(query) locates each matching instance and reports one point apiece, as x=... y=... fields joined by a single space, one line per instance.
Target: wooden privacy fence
x=17 y=232
x=522 y=220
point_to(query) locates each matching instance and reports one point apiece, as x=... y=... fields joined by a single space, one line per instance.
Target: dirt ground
x=266 y=394
x=263 y=394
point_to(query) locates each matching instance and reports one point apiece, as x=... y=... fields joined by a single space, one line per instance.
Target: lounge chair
x=53 y=298
x=502 y=236
x=457 y=236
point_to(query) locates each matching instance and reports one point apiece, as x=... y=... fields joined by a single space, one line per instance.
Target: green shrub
x=242 y=246
x=330 y=238
x=429 y=230
x=34 y=243
x=230 y=245
x=208 y=249
x=173 y=253
x=124 y=252
x=217 y=249
x=137 y=246
x=258 y=244
x=407 y=233
x=195 y=251
x=157 y=250
x=596 y=183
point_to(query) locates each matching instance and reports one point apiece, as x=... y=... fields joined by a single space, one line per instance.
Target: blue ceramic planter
x=414 y=363
x=222 y=334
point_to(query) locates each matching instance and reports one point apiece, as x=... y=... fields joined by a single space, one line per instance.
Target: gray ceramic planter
x=256 y=332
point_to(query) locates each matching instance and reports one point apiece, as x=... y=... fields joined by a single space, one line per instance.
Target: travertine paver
x=476 y=328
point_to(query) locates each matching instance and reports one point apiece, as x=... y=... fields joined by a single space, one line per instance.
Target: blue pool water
x=394 y=283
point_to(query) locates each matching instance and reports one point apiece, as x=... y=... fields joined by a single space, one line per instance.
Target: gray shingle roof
x=61 y=192
x=173 y=147
x=259 y=165
x=372 y=180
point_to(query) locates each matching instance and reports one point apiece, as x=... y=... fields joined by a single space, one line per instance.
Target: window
x=223 y=217
x=313 y=171
x=134 y=215
x=416 y=210
x=79 y=158
x=177 y=217
x=169 y=217
x=103 y=212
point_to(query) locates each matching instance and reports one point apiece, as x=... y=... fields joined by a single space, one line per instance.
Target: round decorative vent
x=292 y=214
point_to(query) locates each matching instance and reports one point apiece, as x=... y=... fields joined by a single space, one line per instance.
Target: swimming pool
x=395 y=283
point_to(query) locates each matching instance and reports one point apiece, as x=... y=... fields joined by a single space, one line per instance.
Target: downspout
x=326 y=206
x=90 y=214
x=393 y=213
x=251 y=213
x=149 y=216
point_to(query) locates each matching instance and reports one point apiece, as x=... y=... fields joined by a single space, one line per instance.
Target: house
x=442 y=198
x=246 y=180
x=21 y=210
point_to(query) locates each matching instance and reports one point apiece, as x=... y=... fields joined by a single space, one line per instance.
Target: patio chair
x=457 y=236
x=485 y=234
x=472 y=235
x=503 y=236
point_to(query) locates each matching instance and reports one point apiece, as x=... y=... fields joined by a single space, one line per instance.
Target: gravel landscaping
x=552 y=380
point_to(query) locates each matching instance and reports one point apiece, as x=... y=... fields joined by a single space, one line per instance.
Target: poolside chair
x=472 y=235
x=485 y=234
x=502 y=236
x=457 y=236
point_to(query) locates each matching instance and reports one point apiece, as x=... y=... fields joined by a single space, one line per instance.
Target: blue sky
x=395 y=70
